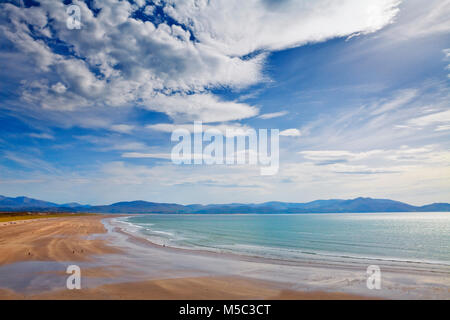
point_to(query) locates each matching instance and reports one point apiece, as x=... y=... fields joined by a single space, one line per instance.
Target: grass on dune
x=15 y=216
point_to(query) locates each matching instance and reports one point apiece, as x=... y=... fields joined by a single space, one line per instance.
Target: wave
x=289 y=254
x=161 y=232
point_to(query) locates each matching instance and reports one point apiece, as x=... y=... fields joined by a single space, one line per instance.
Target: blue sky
x=362 y=86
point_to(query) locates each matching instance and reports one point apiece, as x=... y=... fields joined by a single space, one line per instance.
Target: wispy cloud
x=418 y=19
x=30 y=162
x=232 y=128
x=122 y=128
x=46 y=136
x=442 y=118
x=290 y=133
x=140 y=155
x=402 y=98
x=447 y=58
x=273 y=115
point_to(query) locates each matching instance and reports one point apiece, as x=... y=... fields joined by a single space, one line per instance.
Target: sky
x=359 y=89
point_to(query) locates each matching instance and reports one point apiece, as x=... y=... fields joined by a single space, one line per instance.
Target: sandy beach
x=116 y=265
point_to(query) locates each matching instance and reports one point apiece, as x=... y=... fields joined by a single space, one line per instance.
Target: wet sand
x=202 y=288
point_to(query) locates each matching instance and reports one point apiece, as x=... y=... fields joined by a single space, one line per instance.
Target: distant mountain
x=436 y=207
x=73 y=205
x=139 y=207
x=24 y=202
x=318 y=206
x=358 y=205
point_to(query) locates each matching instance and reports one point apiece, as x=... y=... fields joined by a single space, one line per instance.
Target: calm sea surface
x=418 y=237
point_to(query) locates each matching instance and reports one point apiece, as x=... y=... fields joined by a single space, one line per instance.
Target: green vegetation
x=14 y=216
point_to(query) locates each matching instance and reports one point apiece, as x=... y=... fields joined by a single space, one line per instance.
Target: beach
x=118 y=264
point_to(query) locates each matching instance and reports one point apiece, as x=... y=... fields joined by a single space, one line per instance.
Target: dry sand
x=65 y=239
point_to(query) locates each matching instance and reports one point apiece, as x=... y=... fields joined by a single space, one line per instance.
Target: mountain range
x=318 y=206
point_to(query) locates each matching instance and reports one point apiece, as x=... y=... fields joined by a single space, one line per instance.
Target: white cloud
x=335 y=155
x=122 y=128
x=136 y=63
x=430 y=119
x=202 y=107
x=59 y=87
x=424 y=155
x=126 y=146
x=112 y=142
x=235 y=128
x=169 y=127
x=290 y=133
x=447 y=58
x=30 y=161
x=119 y=60
x=42 y=136
x=146 y=155
x=364 y=127
x=401 y=98
x=237 y=28
x=273 y=115
x=444 y=127
x=419 y=18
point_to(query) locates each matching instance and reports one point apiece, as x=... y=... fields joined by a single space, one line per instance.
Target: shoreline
x=116 y=265
x=347 y=260
x=418 y=268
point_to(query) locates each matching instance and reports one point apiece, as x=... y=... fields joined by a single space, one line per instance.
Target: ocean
x=404 y=237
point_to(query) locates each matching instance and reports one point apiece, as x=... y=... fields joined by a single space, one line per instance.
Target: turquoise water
x=417 y=237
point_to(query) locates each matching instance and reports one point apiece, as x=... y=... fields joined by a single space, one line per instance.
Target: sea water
x=406 y=237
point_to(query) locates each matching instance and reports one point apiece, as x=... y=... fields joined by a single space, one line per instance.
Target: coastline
x=401 y=279
x=314 y=259
x=119 y=265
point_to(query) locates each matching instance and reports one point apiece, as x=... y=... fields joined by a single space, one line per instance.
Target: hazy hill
x=138 y=207
x=24 y=202
x=318 y=206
